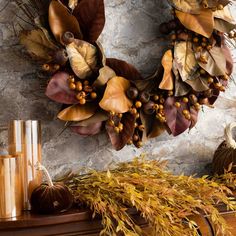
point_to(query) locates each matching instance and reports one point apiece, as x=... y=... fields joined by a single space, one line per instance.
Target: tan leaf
x=37 y=44
x=184 y=59
x=105 y=73
x=225 y=15
x=61 y=21
x=77 y=112
x=101 y=54
x=202 y=23
x=198 y=84
x=223 y=26
x=189 y=6
x=72 y=4
x=167 y=62
x=83 y=58
x=216 y=62
x=115 y=98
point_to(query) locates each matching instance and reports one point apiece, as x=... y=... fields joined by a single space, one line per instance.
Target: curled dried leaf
x=61 y=21
x=167 y=82
x=77 y=112
x=115 y=98
x=188 y=6
x=105 y=74
x=83 y=58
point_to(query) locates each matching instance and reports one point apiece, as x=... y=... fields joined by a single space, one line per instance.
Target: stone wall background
x=131 y=33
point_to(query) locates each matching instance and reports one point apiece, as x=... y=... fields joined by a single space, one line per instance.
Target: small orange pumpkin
x=225 y=155
x=50 y=197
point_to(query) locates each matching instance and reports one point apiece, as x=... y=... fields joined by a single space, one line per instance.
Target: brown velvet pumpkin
x=50 y=197
x=225 y=155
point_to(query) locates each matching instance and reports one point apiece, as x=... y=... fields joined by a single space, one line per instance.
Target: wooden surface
x=79 y=223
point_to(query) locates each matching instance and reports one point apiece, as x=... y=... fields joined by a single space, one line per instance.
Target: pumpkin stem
x=228 y=135
x=48 y=177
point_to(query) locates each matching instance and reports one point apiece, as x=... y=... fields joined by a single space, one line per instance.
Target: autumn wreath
x=99 y=92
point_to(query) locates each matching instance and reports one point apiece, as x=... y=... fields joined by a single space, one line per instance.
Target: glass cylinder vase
x=25 y=137
x=11 y=193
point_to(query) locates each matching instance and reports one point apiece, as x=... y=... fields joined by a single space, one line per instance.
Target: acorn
x=67 y=38
x=148 y=108
x=132 y=93
x=144 y=97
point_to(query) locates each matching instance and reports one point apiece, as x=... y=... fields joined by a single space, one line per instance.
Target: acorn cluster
x=84 y=91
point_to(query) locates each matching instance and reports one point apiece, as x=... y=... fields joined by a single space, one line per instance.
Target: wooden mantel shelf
x=80 y=223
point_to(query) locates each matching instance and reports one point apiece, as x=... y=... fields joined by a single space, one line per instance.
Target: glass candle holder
x=11 y=192
x=25 y=137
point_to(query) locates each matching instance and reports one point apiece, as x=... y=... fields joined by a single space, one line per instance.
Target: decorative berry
x=93 y=95
x=144 y=97
x=132 y=93
x=177 y=105
x=193 y=98
x=150 y=107
x=82 y=101
x=79 y=86
x=185 y=100
x=138 y=104
x=72 y=86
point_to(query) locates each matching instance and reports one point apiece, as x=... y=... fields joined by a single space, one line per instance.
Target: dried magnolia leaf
x=72 y=4
x=114 y=98
x=167 y=82
x=216 y=62
x=223 y=26
x=105 y=74
x=59 y=91
x=89 y=130
x=188 y=6
x=61 y=21
x=184 y=59
x=120 y=140
x=77 y=112
x=175 y=119
x=91 y=16
x=38 y=45
x=83 y=58
x=202 y=23
x=198 y=84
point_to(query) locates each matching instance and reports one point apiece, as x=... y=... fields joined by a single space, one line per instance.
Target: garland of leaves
x=99 y=92
x=166 y=201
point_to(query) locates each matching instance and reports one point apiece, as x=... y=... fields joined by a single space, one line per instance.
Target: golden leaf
x=115 y=98
x=37 y=44
x=167 y=62
x=72 y=4
x=61 y=21
x=83 y=58
x=190 y=6
x=185 y=60
x=77 y=112
x=105 y=73
x=216 y=62
x=202 y=23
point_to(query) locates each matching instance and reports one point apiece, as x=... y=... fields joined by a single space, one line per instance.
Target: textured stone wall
x=131 y=33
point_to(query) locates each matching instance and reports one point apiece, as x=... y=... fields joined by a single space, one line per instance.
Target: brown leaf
x=216 y=62
x=124 y=69
x=77 y=112
x=38 y=45
x=114 y=98
x=201 y=23
x=184 y=60
x=198 y=83
x=105 y=74
x=223 y=26
x=83 y=58
x=167 y=82
x=86 y=131
x=61 y=21
x=120 y=140
x=175 y=120
x=91 y=16
x=59 y=91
